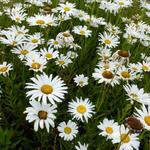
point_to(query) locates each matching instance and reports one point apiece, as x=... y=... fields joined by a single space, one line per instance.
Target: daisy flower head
x=41 y=114
x=107 y=76
x=65 y=37
x=46 y=88
x=109 y=128
x=38 y=20
x=49 y=53
x=82 y=30
x=68 y=131
x=35 y=61
x=5 y=68
x=123 y=3
x=145 y=66
x=125 y=73
x=109 y=40
x=81 y=146
x=127 y=140
x=24 y=49
x=81 y=80
x=143 y=115
x=55 y=43
x=136 y=94
x=35 y=39
x=63 y=61
x=81 y=109
x=67 y=9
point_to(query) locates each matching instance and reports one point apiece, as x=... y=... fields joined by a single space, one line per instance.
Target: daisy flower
x=55 y=43
x=5 y=68
x=46 y=88
x=145 y=66
x=106 y=76
x=67 y=9
x=109 y=40
x=38 y=20
x=35 y=61
x=81 y=109
x=143 y=115
x=68 y=131
x=126 y=140
x=136 y=94
x=41 y=114
x=81 y=80
x=125 y=73
x=65 y=37
x=63 y=61
x=109 y=128
x=49 y=53
x=82 y=30
x=24 y=49
x=35 y=39
x=81 y=147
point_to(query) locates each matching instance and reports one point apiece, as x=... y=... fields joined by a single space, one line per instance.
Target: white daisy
x=109 y=128
x=68 y=131
x=82 y=30
x=109 y=40
x=106 y=76
x=49 y=53
x=136 y=94
x=81 y=109
x=35 y=61
x=24 y=49
x=143 y=115
x=5 y=68
x=46 y=88
x=67 y=9
x=81 y=80
x=41 y=114
x=63 y=61
x=126 y=140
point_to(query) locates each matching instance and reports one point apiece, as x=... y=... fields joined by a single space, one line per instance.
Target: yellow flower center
x=24 y=52
x=17 y=19
x=81 y=109
x=36 y=65
x=47 y=89
x=66 y=9
x=125 y=74
x=67 y=130
x=134 y=96
x=48 y=55
x=107 y=74
x=81 y=83
x=109 y=130
x=134 y=68
x=40 y=22
x=3 y=69
x=34 y=40
x=121 y=3
x=82 y=32
x=145 y=68
x=125 y=138
x=56 y=43
x=42 y=114
x=107 y=41
x=61 y=62
x=147 y=120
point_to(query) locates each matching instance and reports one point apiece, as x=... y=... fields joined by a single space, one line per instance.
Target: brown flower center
x=107 y=74
x=42 y=114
